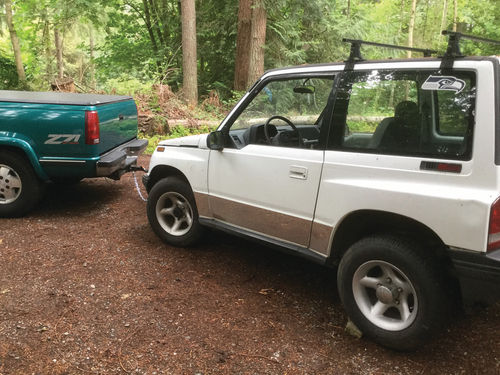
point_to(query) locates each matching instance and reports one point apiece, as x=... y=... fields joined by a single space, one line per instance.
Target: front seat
x=402 y=133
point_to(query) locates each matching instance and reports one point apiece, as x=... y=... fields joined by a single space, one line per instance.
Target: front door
x=267 y=181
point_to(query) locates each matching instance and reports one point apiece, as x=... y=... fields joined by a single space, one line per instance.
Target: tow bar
x=133 y=169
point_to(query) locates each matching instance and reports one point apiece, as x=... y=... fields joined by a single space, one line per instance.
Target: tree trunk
x=455 y=14
x=401 y=15
x=444 y=16
x=15 y=41
x=427 y=6
x=257 y=41
x=59 y=53
x=348 y=10
x=189 y=61
x=155 y=13
x=48 y=53
x=411 y=27
x=243 y=45
x=92 y=65
x=147 y=22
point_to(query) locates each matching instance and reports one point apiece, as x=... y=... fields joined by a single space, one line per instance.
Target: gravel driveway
x=87 y=288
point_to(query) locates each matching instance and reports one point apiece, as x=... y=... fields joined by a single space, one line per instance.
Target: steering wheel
x=266 y=128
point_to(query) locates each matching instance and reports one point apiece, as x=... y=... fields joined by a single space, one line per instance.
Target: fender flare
x=25 y=147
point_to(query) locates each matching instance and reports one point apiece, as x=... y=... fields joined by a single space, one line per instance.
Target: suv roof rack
x=453 y=49
x=355 y=54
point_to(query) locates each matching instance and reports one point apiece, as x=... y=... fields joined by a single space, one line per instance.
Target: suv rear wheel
x=172 y=212
x=392 y=291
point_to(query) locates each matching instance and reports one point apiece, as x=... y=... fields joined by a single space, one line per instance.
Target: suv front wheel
x=393 y=291
x=172 y=212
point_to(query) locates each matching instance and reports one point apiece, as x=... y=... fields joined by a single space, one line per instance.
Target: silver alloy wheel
x=174 y=213
x=10 y=184
x=385 y=295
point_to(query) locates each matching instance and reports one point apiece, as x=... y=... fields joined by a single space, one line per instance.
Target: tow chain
x=138 y=188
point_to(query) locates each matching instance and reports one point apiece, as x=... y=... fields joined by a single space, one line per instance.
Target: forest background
x=186 y=62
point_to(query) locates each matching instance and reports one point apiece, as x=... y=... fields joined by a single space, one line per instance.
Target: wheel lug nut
x=400 y=290
x=389 y=280
x=397 y=302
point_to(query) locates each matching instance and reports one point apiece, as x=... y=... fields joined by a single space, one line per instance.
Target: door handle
x=298 y=172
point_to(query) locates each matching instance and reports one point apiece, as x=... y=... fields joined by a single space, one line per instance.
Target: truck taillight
x=494 y=230
x=91 y=128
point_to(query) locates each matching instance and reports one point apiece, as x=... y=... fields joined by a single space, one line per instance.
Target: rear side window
x=453 y=110
x=408 y=113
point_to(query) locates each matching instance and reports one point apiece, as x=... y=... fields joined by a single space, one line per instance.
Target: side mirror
x=215 y=140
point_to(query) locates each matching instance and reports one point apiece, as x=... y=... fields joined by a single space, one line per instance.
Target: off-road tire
x=422 y=271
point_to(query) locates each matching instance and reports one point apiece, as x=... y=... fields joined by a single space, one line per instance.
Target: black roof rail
x=453 y=49
x=355 y=54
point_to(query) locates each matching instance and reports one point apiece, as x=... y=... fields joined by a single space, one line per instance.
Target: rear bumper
x=117 y=161
x=479 y=275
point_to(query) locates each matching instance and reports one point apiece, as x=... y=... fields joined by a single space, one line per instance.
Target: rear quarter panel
x=455 y=206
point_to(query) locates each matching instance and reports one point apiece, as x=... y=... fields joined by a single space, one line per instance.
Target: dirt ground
x=87 y=288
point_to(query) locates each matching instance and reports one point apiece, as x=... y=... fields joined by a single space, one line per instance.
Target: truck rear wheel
x=20 y=188
x=392 y=291
x=172 y=212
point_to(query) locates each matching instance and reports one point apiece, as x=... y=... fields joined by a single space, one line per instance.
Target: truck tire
x=393 y=291
x=20 y=188
x=172 y=212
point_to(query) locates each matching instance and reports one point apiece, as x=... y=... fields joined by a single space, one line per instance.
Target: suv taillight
x=494 y=231
x=91 y=128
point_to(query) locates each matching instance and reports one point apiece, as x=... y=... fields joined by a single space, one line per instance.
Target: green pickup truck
x=62 y=137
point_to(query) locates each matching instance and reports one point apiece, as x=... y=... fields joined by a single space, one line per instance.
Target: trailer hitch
x=137 y=168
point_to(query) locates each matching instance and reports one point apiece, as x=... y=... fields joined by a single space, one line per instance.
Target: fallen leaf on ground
x=266 y=291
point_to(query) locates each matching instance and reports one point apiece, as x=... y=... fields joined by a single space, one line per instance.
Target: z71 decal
x=63 y=139
x=446 y=83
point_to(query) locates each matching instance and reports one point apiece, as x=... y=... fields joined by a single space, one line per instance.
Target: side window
x=374 y=100
x=453 y=110
x=419 y=113
x=285 y=112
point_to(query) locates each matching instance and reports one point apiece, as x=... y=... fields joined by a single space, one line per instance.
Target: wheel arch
x=163 y=171
x=23 y=149
x=363 y=223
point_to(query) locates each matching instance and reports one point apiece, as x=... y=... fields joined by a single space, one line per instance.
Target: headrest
x=406 y=109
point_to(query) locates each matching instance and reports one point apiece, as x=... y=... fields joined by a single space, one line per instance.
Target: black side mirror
x=215 y=140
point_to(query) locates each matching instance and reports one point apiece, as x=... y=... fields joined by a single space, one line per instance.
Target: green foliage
x=175 y=132
x=139 y=42
x=8 y=74
x=126 y=85
x=359 y=126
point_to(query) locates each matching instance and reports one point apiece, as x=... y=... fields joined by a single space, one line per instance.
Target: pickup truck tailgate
x=118 y=124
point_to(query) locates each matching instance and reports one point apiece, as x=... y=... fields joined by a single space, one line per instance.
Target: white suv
x=389 y=170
